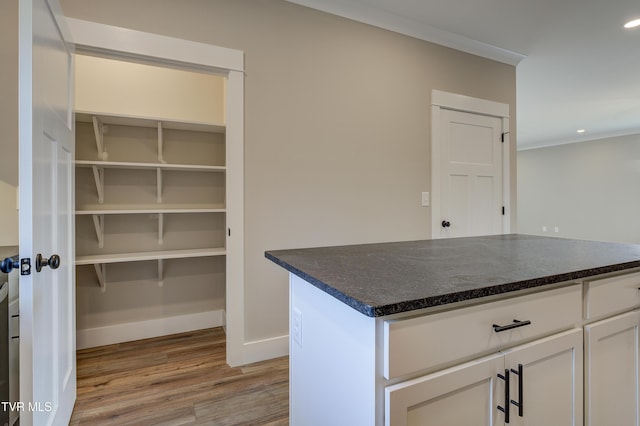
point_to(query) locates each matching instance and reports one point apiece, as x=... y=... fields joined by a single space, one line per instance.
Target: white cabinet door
x=459 y=396
x=611 y=371
x=550 y=377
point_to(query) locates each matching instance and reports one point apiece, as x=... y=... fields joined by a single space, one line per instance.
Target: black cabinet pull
x=505 y=409
x=519 y=404
x=515 y=324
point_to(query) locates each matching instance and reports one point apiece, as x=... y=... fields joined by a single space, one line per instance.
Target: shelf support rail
x=160 y=144
x=98 y=176
x=159 y=185
x=160 y=272
x=160 y=228
x=98 y=131
x=98 y=223
x=101 y=273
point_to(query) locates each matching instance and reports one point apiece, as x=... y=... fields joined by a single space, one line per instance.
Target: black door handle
x=53 y=262
x=8 y=264
x=446 y=224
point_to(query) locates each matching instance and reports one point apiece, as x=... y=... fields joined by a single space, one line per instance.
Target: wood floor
x=178 y=380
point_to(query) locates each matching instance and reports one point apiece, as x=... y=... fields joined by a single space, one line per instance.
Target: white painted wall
x=589 y=190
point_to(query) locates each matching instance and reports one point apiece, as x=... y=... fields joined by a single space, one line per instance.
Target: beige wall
x=126 y=88
x=8 y=121
x=336 y=124
x=589 y=190
x=9 y=91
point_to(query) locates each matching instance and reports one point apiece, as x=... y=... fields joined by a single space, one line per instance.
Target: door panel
x=612 y=371
x=46 y=140
x=471 y=166
x=436 y=399
x=551 y=380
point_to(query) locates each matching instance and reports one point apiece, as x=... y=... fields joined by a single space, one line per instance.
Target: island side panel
x=332 y=360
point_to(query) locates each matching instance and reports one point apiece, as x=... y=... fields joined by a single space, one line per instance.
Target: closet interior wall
x=150 y=201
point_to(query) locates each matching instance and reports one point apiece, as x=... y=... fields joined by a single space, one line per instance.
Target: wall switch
x=296 y=326
x=425 y=199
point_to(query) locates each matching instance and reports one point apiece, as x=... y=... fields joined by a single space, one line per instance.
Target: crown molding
x=411 y=27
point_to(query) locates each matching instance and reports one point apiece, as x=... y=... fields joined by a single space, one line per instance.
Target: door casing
x=445 y=100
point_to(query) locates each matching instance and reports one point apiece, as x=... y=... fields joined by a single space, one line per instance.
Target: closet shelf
x=122 y=120
x=149 y=255
x=163 y=166
x=100 y=261
x=148 y=208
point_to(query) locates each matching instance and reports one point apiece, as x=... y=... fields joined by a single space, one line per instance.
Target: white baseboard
x=260 y=350
x=118 y=333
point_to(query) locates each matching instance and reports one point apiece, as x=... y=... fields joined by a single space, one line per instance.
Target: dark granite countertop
x=388 y=278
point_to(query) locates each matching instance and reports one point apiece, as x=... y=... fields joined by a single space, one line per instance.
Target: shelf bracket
x=98 y=131
x=98 y=223
x=159 y=184
x=160 y=228
x=101 y=273
x=98 y=176
x=160 y=144
x=160 y=272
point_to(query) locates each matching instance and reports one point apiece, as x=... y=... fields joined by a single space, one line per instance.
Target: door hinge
x=503 y=210
x=503 y=135
x=25 y=266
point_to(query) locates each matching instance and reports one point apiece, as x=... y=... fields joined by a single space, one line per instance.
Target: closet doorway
x=159 y=187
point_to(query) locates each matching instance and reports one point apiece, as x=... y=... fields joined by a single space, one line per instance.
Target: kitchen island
x=480 y=330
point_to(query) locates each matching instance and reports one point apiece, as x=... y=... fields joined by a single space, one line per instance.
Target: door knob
x=53 y=262
x=446 y=224
x=8 y=264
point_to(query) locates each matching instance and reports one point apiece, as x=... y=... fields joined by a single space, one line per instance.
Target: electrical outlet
x=544 y=228
x=556 y=229
x=296 y=326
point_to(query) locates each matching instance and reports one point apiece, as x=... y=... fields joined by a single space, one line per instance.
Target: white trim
x=260 y=350
x=136 y=330
x=117 y=42
x=411 y=27
x=114 y=42
x=469 y=104
x=451 y=101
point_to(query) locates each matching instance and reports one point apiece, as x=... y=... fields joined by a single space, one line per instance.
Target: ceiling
x=577 y=67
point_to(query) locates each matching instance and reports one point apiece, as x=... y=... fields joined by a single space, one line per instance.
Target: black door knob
x=8 y=264
x=446 y=224
x=53 y=262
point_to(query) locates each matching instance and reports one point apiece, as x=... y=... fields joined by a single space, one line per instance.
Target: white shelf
x=148 y=209
x=99 y=261
x=149 y=255
x=150 y=166
x=121 y=120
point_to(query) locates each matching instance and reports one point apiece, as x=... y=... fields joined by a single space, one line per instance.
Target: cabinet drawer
x=431 y=341
x=611 y=295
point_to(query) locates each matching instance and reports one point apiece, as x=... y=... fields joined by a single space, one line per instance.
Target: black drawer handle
x=515 y=324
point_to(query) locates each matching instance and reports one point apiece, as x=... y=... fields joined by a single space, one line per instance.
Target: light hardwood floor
x=178 y=380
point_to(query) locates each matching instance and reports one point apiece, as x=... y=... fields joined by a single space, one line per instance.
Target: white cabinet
x=612 y=354
x=612 y=351
x=539 y=383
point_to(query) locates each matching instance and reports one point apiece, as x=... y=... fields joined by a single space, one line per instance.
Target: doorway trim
x=451 y=101
x=111 y=42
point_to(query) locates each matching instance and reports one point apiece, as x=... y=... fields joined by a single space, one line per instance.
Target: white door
x=612 y=371
x=547 y=380
x=459 y=396
x=471 y=174
x=46 y=139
